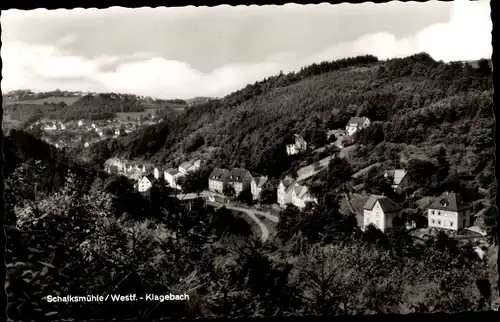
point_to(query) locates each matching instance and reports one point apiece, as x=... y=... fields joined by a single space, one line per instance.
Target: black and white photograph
x=249 y=161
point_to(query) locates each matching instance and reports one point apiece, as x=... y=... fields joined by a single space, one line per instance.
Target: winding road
x=252 y=214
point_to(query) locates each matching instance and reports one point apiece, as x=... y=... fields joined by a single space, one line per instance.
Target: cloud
x=67 y=40
x=466 y=36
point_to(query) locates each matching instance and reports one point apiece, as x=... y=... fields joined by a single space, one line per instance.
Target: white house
x=189 y=166
x=217 y=180
x=449 y=211
x=171 y=176
x=86 y=144
x=285 y=189
x=399 y=178
x=80 y=123
x=52 y=127
x=356 y=123
x=299 y=146
x=380 y=211
x=258 y=185
x=301 y=196
x=158 y=172
x=239 y=179
x=145 y=183
x=62 y=126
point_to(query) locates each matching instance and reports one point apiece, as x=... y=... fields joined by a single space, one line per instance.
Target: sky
x=200 y=51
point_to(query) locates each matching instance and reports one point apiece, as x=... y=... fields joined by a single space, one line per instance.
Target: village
x=448 y=212
x=83 y=133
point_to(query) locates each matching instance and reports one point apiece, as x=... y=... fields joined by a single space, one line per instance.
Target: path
x=251 y=213
x=309 y=171
x=254 y=212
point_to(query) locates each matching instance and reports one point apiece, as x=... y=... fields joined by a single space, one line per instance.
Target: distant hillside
x=47 y=100
x=415 y=102
x=25 y=106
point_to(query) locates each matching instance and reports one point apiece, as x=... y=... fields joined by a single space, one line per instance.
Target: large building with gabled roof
x=449 y=211
x=380 y=211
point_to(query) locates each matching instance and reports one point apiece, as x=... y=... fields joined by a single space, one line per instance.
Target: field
x=51 y=99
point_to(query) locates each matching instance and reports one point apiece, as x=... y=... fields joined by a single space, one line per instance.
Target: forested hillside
x=415 y=103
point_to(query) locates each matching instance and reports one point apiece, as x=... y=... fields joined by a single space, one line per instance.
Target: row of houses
x=448 y=212
x=170 y=176
x=291 y=192
x=288 y=189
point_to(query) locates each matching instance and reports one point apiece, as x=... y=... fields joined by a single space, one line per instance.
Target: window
x=439 y=213
x=433 y=221
x=451 y=224
x=439 y=222
x=432 y=212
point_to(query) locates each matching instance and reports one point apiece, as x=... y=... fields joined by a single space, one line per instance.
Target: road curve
x=265 y=232
x=254 y=212
x=251 y=213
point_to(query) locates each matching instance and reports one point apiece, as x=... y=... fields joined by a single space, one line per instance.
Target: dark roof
x=386 y=204
x=259 y=181
x=356 y=120
x=172 y=171
x=219 y=174
x=150 y=177
x=238 y=175
x=449 y=201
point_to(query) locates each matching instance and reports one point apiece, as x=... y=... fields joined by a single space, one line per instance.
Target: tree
x=226 y=221
x=268 y=196
x=377 y=183
x=319 y=137
x=229 y=191
x=289 y=223
x=246 y=197
x=195 y=181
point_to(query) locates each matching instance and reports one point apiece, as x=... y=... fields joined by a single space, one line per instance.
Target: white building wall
x=215 y=186
x=144 y=185
x=291 y=149
x=448 y=219
x=157 y=173
x=376 y=217
x=284 y=197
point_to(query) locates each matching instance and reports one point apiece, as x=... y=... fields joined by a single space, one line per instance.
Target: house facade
x=380 y=211
x=284 y=192
x=239 y=179
x=217 y=180
x=355 y=124
x=449 y=212
x=301 y=196
x=399 y=178
x=258 y=185
x=145 y=183
x=171 y=176
x=299 y=146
